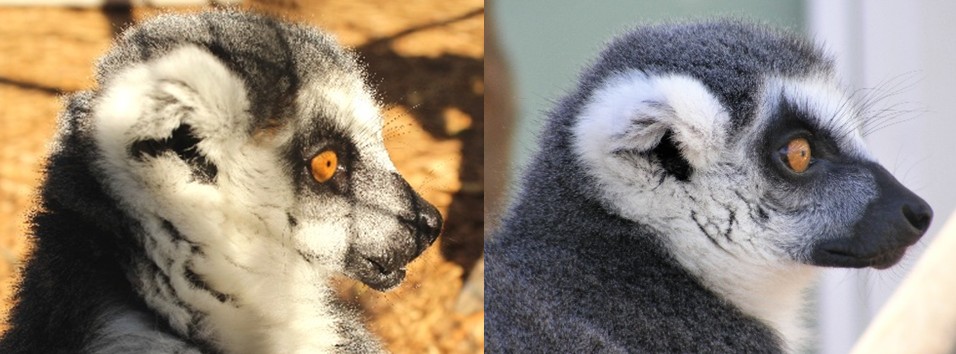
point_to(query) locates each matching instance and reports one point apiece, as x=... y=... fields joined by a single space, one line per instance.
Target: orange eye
x=324 y=165
x=797 y=155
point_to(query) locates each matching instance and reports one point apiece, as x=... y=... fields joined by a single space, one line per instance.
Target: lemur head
x=736 y=141
x=256 y=141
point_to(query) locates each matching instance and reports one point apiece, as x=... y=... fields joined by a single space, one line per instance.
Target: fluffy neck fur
x=774 y=294
x=581 y=277
x=216 y=266
x=722 y=244
x=254 y=297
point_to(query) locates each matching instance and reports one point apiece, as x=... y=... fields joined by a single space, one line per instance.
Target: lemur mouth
x=379 y=276
x=385 y=271
x=880 y=260
x=381 y=272
x=381 y=265
x=879 y=250
x=384 y=268
x=890 y=224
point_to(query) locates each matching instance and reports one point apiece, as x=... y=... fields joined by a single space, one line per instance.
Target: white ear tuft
x=189 y=90
x=187 y=86
x=700 y=122
x=633 y=112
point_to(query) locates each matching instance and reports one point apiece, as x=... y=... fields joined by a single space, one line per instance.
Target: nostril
x=919 y=216
x=430 y=218
x=431 y=221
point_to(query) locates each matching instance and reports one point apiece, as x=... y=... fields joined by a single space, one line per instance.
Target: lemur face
x=793 y=185
x=345 y=181
x=821 y=179
x=215 y=183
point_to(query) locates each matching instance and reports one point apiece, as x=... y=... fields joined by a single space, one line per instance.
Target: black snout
x=425 y=224
x=892 y=222
x=382 y=266
x=918 y=214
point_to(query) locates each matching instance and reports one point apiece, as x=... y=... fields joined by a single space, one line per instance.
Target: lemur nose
x=919 y=214
x=431 y=219
x=429 y=223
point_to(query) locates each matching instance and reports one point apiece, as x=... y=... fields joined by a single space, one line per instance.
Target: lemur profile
x=685 y=194
x=200 y=198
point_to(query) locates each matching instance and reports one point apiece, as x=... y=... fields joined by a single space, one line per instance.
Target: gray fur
x=731 y=59
x=588 y=257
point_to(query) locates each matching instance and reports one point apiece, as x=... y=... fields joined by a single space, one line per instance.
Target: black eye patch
x=183 y=143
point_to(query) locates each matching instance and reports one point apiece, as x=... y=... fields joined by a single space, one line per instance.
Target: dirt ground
x=424 y=57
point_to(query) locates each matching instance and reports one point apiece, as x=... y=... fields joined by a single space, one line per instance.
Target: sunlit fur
x=188 y=172
x=244 y=224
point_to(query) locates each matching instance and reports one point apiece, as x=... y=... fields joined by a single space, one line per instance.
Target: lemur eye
x=324 y=165
x=797 y=155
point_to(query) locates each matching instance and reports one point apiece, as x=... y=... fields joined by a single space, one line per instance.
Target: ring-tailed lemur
x=683 y=194
x=202 y=196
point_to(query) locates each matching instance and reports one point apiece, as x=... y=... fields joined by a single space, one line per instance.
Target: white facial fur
x=729 y=225
x=352 y=110
x=257 y=291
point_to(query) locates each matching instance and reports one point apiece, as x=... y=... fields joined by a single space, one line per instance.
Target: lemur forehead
x=345 y=101
x=823 y=104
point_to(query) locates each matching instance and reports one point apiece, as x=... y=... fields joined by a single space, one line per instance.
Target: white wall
x=908 y=48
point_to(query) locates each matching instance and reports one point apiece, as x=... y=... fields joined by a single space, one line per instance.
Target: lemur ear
x=184 y=105
x=670 y=116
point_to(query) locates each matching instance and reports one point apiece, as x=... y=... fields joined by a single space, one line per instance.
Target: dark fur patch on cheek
x=183 y=143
